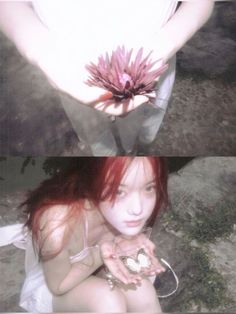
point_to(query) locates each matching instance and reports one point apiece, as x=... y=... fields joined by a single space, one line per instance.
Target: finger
x=100 y=106
x=110 y=107
x=155 y=264
x=136 y=102
x=132 y=277
x=105 y=96
x=86 y=94
x=116 y=270
x=98 y=96
x=112 y=262
x=118 y=108
x=150 y=246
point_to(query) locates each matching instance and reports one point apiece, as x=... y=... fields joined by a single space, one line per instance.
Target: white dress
x=35 y=296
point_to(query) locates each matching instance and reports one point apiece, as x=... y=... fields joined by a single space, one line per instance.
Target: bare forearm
x=188 y=19
x=20 y=24
x=79 y=272
x=88 y=266
x=62 y=276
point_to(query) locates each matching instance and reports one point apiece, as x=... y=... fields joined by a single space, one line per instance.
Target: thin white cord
x=176 y=279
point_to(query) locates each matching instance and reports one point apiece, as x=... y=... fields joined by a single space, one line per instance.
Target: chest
x=89 y=230
x=105 y=18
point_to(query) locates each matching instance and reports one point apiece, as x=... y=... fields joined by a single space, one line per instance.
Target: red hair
x=87 y=178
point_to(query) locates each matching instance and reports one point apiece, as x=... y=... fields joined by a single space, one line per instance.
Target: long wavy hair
x=86 y=178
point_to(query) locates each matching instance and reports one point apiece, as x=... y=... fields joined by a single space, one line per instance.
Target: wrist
x=166 y=46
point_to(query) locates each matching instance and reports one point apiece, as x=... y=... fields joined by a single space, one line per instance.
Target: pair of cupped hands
x=113 y=252
x=64 y=64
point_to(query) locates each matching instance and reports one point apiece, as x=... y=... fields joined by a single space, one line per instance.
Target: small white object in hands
x=135 y=265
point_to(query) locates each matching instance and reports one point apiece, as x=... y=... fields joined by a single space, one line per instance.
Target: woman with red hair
x=86 y=248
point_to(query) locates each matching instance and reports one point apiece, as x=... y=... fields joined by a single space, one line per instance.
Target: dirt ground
x=200 y=119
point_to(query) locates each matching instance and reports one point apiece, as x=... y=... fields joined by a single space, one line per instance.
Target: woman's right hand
x=111 y=252
x=115 y=266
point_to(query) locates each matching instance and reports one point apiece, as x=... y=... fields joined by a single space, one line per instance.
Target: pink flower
x=124 y=77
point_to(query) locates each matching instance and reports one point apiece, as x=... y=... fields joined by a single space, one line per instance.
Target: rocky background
x=200 y=119
x=196 y=235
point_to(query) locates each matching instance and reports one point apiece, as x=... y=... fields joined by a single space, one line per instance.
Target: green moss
x=210 y=225
x=201 y=285
x=212 y=288
x=204 y=286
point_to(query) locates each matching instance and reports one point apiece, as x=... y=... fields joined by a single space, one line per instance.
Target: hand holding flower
x=130 y=82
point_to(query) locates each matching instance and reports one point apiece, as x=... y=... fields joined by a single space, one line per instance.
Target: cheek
x=150 y=205
x=108 y=212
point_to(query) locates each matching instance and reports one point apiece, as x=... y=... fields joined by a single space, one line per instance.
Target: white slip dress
x=35 y=296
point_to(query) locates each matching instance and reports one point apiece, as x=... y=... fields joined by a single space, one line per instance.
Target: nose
x=135 y=206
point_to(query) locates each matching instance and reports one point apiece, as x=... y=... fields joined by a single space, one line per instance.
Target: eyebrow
x=149 y=182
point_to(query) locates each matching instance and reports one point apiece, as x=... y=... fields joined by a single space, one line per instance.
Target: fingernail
x=106 y=96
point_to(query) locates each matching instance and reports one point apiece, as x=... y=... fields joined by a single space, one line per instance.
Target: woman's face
x=135 y=200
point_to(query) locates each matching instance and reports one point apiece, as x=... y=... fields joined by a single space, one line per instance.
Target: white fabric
x=106 y=21
x=101 y=26
x=35 y=295
x=13 y=234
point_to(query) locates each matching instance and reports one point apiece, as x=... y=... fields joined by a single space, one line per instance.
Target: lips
x=133 y=223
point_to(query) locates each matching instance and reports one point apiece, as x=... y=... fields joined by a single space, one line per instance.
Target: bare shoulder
x=54 y=227
x=54 y=214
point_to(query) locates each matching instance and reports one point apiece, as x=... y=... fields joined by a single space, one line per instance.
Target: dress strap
x=14 y=234
x=85 y=235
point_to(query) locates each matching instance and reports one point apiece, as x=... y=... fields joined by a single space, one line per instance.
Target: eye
x=150 y=188
x=120 y=193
